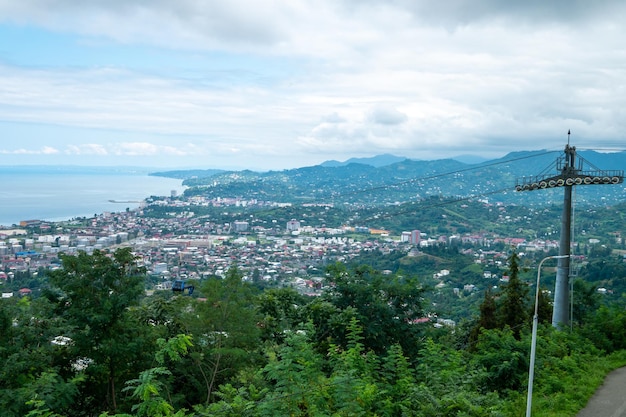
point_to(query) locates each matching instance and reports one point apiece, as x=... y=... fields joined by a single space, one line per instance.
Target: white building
x=293 y=225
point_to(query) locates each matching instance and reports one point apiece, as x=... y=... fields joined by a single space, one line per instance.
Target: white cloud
x=146 y=149
x=87 y=149
x=130 y=149
x=304 y=78
x=46 y=150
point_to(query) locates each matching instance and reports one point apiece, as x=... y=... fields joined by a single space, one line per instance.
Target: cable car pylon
x=574 y=170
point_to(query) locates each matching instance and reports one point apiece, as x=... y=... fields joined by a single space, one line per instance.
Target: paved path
x=610 y=399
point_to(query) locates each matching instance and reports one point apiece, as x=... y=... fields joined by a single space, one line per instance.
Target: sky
x=278 y=84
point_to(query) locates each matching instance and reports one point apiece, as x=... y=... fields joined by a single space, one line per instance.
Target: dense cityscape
x=190 y=247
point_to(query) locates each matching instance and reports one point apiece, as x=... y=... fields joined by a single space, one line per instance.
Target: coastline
x=60 y=196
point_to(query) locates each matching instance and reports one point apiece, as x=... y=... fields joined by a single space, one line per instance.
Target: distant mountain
x=375 y=161
x=379 y=181
x=470 y=159
x=605 y=161
x=389 y=159
x=530 y=163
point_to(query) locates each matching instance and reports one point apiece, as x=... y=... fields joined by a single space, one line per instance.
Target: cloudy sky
x=274 y=84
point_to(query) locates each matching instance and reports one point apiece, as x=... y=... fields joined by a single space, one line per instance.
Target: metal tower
x=572 y=172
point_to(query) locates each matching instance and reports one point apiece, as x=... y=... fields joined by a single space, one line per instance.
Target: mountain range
x=389 y=179
x=389 y=159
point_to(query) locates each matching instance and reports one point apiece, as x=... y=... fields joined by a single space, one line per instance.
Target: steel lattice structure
x=572 y=173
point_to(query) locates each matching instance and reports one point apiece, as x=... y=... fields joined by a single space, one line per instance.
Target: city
x=183 y=246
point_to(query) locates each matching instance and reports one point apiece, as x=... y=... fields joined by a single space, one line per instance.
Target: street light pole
x=533 y=344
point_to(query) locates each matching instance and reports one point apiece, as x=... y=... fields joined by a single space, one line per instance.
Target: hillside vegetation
x=94 y=345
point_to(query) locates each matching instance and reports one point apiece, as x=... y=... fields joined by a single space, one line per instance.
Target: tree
x=508 y=308
x=93 y=294
x=299 y=384
x=513 y=307
x=504 y=359
x=224 y=324
x=281 y=312
x=544 y=307
x=586 y=300
x=487 y=319
x=256 y=275
x=149 y=388
x=386 y=306
x=607 y=328
x=29 y=374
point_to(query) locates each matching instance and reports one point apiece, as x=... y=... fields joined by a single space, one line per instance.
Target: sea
x=64 y=193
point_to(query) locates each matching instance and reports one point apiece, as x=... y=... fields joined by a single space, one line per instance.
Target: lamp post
x=533 y=343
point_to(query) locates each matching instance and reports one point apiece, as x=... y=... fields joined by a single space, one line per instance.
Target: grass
x=574 y=388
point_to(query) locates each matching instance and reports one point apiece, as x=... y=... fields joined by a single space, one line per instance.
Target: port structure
x=573 y=171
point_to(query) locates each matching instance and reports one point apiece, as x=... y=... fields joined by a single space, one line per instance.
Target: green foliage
x=568 y=371
x=39 y=409
x=446 y=379
x=385 y=306
x=224 y=323
x=513 y=307
x=398 y=381
x=234 y=402
x=607 y=328
x=148 y=389
x=487 y=319
x=173 y=348
x=93 y=294
x=300 y=385
x=504 y=359
x=31 y=379
x=603 y=271
x=281 y=311
x=353 y=380
x=161 y=313
x=507 y=309
x=440 y=367
x=353 y=351
x=544 y=307
x=586 y=301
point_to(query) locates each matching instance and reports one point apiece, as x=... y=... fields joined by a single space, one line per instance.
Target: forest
x=94 y=344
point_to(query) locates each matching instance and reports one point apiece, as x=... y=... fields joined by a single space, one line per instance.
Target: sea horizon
x=63 y=193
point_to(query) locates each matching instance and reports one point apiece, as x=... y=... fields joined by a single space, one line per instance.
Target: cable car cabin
x=181 y=286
